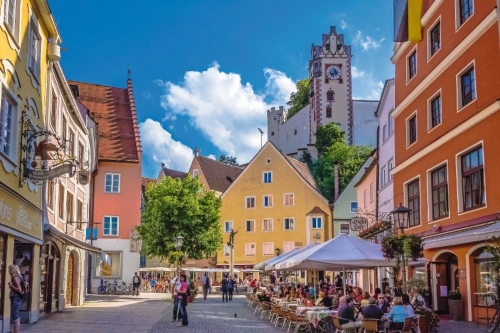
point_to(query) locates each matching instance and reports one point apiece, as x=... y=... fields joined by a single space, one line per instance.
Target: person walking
x=16 y=293
x=205 y=281
x=230 y=288
x=182 y=299
x=224 y=288
x=176 y=286
x=136 y=283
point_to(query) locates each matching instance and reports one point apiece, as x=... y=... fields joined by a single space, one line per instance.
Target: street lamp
x=178 y=242
x=401 y=216
x=277 y=251
x=261 y=133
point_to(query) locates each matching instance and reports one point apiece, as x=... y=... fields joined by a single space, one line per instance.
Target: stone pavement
x=152 y=313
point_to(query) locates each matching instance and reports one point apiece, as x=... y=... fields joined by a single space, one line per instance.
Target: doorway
x=69 y=280
x=443 y=278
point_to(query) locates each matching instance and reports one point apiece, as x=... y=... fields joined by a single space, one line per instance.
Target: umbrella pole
x=345 y=280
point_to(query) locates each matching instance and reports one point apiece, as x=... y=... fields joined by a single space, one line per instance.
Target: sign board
x=20 y=216
x=42 y=174
x=87 y=234
x=358 y=223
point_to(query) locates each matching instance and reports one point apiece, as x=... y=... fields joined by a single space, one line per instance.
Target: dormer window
x=329 y=111
x=330 y=95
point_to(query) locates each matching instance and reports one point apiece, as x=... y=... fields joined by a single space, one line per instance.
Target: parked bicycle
x=493 y=324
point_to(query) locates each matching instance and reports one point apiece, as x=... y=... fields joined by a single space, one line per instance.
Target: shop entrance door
x=442 y=278
x=69 y=280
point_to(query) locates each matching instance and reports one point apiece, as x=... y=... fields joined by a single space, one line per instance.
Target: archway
x=72 y=279
x=444 y=276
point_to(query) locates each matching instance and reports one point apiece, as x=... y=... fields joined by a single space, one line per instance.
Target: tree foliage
x=298 y=99
x=228 y=160
x=179 y=207
x=327 y=135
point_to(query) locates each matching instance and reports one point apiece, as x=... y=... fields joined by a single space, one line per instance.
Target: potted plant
x=427 y=318
x=455 y=305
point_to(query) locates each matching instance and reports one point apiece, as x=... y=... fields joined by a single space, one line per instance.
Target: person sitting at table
x=377 y=292
x=358 y=294
x=397 y=315
x=408 y=306
x=324 y=300
x=346 y=315
x=372 y=311
x=335 y=302
x=382 y=303
x=366 y=299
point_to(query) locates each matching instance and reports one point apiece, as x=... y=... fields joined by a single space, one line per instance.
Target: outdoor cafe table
x=315 y=316
x=301 y=309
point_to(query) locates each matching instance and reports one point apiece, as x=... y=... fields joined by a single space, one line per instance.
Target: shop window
x=344 y=228
x=109 y=265
x=485 y=276
x=22 y=258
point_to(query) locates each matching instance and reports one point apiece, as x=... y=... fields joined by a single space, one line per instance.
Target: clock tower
x=331 y=85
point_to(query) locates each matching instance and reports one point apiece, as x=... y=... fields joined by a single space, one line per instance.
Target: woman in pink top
x=182 y=294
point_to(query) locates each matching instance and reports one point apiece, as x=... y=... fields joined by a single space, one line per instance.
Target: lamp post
x=261 y=133
x=179 y=240
x=401 y=216
x=277 y=251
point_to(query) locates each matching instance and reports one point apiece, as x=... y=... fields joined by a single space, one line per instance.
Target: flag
x=407 y=15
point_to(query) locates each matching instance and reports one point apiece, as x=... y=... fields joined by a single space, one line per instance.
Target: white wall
x=129 y=262
x=365 y=123
x=285 y=138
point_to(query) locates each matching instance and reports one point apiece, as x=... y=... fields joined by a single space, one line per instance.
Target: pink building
x=117 y=184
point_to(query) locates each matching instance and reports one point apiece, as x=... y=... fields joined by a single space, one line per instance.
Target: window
x=330 y=95
x=390 y=166
x=316 y=223
x=384 y=132
x=289 y=223
x=228 y=226
x=435 y=37
x=34 y=49
x=250 y=202
x=227 y=250
x=412 y=65
x=195 y=173
x=439 y=184
x=110 y=226
x=81 y=150
x=267 y=225
x=288 y=246
x=344 y=228
x=288 y=199
x=412 y=130
x=53 y=111
x=61 y=202
x=50 y=195
x=71 y=143
x=468 y=87
x=329 y=111
x=69 y=208
x=10 y=14
x=485 y=275
x=268 y=201
x=7 y=125
x=466 y=9
x=249 y=225
x=112 y=183
x=390 y=124
x=414 y=202
x=249 y=249
x=365 y=198
x=267 y=177
x=372 y=192
x=63 y=129
x=436 y=111
x=383 y=175
x=354 y=206
x=109 y=265
x=473 y=194
x=268 y=248
x=79 y=214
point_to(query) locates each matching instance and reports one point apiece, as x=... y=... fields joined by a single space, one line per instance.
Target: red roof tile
x=174 y=173
x=112 y=109
x=218 y=175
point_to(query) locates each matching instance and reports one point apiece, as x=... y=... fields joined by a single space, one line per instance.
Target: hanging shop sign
x=47 y=174
x=358 y=223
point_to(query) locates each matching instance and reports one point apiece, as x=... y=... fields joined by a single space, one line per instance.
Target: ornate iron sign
x=358 y=223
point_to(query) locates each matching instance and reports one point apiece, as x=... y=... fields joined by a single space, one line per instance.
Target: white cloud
x=212 y=156
x=343 y=24
x=366 y=43
x=226 y=110
x=356 y=73
x=158 y=143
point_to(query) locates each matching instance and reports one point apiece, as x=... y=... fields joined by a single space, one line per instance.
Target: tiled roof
x=218 y=175
x=145 y=182
x=114 y=111
x=303 y=170
x=317 y=211
x=174 y=173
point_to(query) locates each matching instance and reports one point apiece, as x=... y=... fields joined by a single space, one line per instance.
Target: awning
x=52 y=231
x=484 y=233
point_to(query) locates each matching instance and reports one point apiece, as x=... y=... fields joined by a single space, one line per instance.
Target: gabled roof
x=369 y=168
x=383 y=95
x=173 y=173
x=114 y=110
x=303 y=170
x=317 y=211
x=219 y=175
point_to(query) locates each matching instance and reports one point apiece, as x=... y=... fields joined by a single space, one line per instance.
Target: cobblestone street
x=153 y=313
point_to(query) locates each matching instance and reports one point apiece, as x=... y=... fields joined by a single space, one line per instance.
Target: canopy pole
x=345 y=281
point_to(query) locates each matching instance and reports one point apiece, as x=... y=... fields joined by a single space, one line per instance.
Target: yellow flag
x=414 y=16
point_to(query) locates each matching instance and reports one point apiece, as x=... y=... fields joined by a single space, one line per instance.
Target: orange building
x=118 y=183
x=446 y=134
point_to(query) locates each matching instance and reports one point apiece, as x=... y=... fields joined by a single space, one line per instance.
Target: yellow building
x=28 y=37
x=274 y=205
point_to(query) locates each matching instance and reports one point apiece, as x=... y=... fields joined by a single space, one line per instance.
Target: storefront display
x=22 y=258
x=485 y=279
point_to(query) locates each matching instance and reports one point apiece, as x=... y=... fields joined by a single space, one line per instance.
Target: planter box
x=456 y=308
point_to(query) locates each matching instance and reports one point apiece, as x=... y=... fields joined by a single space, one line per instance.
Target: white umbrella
x=271 y=264
x=262 y=265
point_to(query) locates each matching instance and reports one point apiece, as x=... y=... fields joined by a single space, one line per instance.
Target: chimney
x=196 y=152
x=336 y=182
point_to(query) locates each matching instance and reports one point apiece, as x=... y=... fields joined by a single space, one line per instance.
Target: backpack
x=24 y=288
x=136 y=279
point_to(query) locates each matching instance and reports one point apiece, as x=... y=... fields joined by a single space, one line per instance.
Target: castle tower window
x=329 y=111
x=330 y=95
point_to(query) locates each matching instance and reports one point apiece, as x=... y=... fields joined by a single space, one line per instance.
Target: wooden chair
x=292 y=307
x=339 y=328
x=266 y=310
x=371 y=326
x=408 y=324
x=280 y=314
x=299 y=322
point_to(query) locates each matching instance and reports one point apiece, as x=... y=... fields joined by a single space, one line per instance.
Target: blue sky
x=205 y=72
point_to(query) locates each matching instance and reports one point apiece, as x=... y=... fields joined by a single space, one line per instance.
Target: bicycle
x=493 y=324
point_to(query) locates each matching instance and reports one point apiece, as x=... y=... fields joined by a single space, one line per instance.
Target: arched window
x=330 y=95
x=485 y=276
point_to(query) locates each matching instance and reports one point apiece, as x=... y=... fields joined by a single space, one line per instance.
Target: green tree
x=228 y=160
x=179 y=207
x=298 y=99
x=327 y=135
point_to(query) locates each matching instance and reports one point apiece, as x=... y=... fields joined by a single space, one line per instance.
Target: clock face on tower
x=334 y=72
